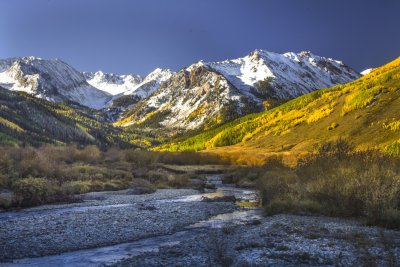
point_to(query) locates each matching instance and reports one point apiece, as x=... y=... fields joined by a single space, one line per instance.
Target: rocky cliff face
x=190 y=98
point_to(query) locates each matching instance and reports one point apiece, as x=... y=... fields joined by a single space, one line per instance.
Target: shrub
x=191 y=158
x=142 y=186
x=89 y=154
x=337 y=181
x=77 y=187
x=392 y=126
x=89 y=172
x=34 y=191
x=178 y=180
x=3 y=180
x=156 y=176
x=141 y=158
x=320 y=114
x=55 y=173
x=332 y=126
x=285 y=205
x=393 y=148
x=361 y=99
x=114 y=185
x=81 y=186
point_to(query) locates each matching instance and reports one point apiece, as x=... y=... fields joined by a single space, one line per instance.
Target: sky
x=137 y=36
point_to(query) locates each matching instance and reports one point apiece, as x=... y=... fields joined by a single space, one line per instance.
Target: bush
x=114 y=185
x=34 y=191
x=163 y=178
x=178 y=181
x=82 y=186
x=333 y=125
x=89 y=154
x=89 y=172
x=55 y=173
x=285 y=205
x=191 y=158
x=77 y=187
x=142 y=186
x=337 y=181
x=141 y=158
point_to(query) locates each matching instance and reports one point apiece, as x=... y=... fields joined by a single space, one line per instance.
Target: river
x=106 y=255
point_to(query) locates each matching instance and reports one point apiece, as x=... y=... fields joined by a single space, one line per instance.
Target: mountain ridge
x=165 y=103
x=53 y=80
x=364 y=111
x=221 y=91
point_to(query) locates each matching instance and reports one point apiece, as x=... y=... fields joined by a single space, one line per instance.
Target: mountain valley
x=199 y=97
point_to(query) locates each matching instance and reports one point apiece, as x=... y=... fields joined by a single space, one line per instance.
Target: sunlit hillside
x=365 y=112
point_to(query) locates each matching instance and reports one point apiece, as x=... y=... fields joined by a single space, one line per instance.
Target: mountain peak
x=236 y=86
x=111 y=83
x=158 y=72
x=305 y=54
x=51 y=79
x=150 y=83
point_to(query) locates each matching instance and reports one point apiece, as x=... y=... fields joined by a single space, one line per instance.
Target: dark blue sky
x=139 y=35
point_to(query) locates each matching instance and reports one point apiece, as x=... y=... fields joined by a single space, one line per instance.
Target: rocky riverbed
x=176 y=227
x=115 y=218
x=281 y=240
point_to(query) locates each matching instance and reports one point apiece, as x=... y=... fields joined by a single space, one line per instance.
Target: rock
x=147 y=207
x=197 y=183
x=254 y=222
x=219 y=199
x=210 y=186
x=247 y=184
x=137 y=191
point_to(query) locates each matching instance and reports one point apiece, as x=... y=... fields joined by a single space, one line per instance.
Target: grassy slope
x=366 y=112
x=25 y=119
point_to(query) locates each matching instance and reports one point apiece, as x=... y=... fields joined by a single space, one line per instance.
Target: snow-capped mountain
x=150 y=83
x=206 y=93
x=127 y=87
x=290 y=74
x=202 y=94
x=187 y=100
x=112 y=83
x=128 y=98
x=53 y=80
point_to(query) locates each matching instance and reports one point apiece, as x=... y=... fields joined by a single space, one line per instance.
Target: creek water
x=102 y=256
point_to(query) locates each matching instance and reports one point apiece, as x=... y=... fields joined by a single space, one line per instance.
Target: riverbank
x=105 y=218
x=281 y=240
x=178 y=227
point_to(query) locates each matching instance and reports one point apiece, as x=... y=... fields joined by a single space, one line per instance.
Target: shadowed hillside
x=27 y=120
